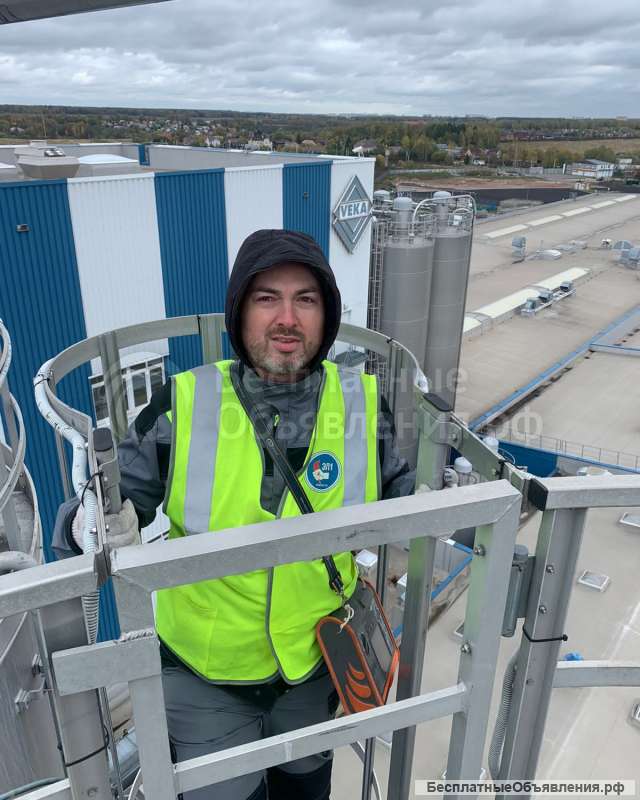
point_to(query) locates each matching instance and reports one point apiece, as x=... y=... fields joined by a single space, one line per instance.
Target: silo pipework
x=408 y=252
x=451 y=262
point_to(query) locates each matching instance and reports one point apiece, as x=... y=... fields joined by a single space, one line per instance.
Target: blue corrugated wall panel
x=41 y=305
x=193 y=247
x=539 y=462
x=306 y=200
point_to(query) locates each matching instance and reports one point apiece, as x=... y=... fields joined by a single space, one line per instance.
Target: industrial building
x=541 y=308
x=592 y=168
x=156 y=242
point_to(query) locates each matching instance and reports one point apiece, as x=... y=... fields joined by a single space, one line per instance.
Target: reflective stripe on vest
x=248 y=627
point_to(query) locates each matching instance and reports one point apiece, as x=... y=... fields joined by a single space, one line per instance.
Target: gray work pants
x=204 y=718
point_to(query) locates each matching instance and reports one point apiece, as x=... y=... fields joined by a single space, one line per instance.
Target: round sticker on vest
x=322 y=472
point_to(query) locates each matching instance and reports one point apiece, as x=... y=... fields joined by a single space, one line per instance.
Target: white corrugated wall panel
x=253 y=200
x=351 y=269
x=115 y=229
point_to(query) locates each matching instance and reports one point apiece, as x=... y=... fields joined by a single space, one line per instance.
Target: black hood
x=264 y=249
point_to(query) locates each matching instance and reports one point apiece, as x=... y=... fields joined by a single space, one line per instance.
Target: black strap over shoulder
x=290 y=478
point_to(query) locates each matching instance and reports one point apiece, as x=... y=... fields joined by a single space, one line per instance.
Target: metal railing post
x=370 y=744
x=82 y=731
x=152 y=737
x=432 y=458
x=556 y=555
x=493 y=556
x=113 y=384
x=211 y=328
x=62 y=459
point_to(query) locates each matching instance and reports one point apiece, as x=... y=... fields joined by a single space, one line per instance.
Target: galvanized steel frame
x=137 y=571
x=493 y=507
x=564 y=503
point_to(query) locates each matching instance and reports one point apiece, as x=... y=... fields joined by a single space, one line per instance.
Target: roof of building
x=503 y=357
x=105 y=158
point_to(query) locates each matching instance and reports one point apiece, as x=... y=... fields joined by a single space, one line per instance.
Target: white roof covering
x=513 y=301
x=470 y=324
x=506 y=304
x=505 y=231
x=573 y=274
x=106 y=158
x=7 y=166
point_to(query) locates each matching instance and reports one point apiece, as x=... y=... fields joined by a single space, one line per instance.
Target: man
x=240 y=660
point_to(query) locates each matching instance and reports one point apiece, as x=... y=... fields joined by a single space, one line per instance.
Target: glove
x=122 y=528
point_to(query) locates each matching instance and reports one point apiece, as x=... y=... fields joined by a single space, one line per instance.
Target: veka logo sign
x=352 y=214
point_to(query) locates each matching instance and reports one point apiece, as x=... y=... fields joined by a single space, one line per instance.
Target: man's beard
x=280 y=363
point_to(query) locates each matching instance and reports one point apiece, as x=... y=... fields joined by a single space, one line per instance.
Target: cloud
x=538 y=57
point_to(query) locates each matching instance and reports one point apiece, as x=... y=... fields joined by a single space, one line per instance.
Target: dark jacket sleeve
x=396 y=477
x=144 y=457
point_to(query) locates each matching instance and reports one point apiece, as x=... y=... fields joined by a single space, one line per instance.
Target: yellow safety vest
x=249 y=627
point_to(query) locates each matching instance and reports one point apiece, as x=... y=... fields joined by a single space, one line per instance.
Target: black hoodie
x=264 y=249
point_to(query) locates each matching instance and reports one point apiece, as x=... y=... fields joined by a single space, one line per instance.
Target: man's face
x=283 y=321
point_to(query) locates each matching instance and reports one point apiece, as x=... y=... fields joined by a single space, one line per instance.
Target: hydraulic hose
x=90 y=602
x=497 y=740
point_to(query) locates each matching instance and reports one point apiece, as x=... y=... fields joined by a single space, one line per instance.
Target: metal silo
x=407 y=258
x=452 y=258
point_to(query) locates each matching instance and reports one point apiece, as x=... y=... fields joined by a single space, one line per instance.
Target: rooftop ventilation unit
x=43 y=161
x=550 y=255
x=594 y=580
x=630 y=257
x=530 y=307
x=519 y=248
x=630 y=520
x=546 y=295
x=634 y=716
x=25 y=10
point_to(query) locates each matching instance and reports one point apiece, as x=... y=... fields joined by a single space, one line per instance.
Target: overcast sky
x=491 y=57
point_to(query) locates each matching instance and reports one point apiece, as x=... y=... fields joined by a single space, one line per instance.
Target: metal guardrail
x=138 y=571
x=565 y=447
x=493 y=508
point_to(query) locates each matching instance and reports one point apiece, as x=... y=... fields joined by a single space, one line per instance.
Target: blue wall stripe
x=538 y=462
x=41 y=305
x=544 y=462
x=193 y=247
x=306 y=200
